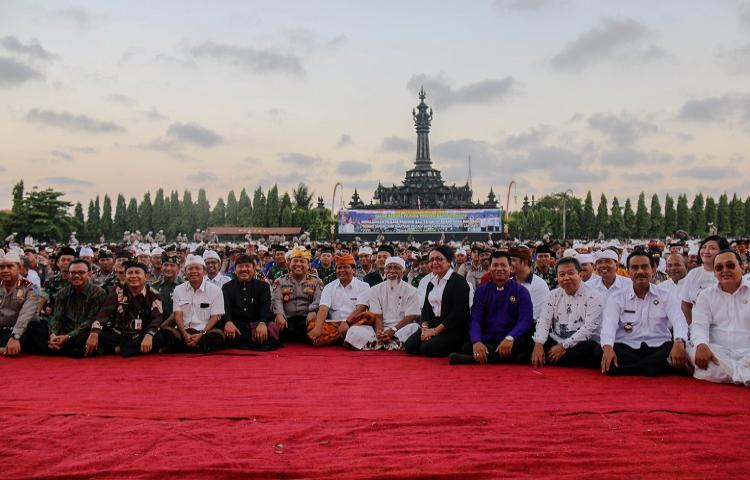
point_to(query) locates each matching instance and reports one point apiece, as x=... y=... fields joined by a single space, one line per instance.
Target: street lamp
x=565 y=196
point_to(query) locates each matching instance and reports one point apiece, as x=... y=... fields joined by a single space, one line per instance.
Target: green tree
x=628 y=218
x=259 y=212
x=656 y=220
x=682 y=221
x=698 y=216
x=273 y=207
x=202 y=210
x=160 y=212
x=642 y=220
x=106 y=223
x=723 y=215
x=302 y=197
x=245 y=212
x=17 y=221
x=93 y=230
x=119 y=225
x=232 y=218
x=79 y=223
x=286 y=211
x=747 y=216
x=46 y=215
x=670 y=215
x=146 y=214
x=602 y=216
x=589 y=220
x=187 y=214
x=710 y=212
x=131 y=215
x=737 y=217
x=175 y=214
x=616 y=222
x=218 y=215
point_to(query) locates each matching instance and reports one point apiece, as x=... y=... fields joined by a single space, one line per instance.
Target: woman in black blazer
x=445 y=316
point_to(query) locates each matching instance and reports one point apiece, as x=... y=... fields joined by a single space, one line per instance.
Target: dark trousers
x=645 y=360
x=582 y=354
x=33 y=340
x=296 y=330
x=518 y=354
x=440 y=345
x=75 y=347
x=244 y=341
x=211 y=341
x=129 y=345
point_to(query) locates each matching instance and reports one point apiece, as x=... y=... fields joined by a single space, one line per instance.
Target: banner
x=419 y=221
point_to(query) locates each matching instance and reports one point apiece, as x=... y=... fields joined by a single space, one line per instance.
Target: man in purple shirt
x=501 y=319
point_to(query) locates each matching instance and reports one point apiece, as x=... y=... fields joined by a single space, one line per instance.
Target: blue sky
x=616 y=97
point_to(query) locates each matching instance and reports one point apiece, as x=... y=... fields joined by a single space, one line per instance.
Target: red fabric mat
x=302 y=412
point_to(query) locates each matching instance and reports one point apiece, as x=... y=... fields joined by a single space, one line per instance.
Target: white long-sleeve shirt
x=648 y=319
x=722 y=318
x=539 y=291
x=570 y=319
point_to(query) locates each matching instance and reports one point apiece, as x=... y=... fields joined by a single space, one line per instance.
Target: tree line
x=44 y=215
x=615 y=220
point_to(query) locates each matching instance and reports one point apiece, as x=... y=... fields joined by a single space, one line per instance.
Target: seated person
x=130 y=319
x=20 y=329
x=720 y=332
x=296 y=297
x=247 y=305
x=445 y=311
x=501 y=318
x=570 y=319
x=76 y=305
x=198 y=306
x=635 y=334
x=341 y=302
x=395 y=306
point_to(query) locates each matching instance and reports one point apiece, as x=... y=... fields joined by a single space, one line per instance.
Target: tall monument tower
x=422 y=121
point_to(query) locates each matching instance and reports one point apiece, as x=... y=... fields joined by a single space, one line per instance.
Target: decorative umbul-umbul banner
x=420 y=221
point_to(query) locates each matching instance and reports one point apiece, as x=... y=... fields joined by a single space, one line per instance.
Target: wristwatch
x=16 y=336
x=509 y=338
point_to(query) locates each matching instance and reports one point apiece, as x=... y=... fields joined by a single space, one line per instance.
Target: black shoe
x=461 y=359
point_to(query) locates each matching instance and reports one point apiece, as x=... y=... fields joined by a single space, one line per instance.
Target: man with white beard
x=395 y=305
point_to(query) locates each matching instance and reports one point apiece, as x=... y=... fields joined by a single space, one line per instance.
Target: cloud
x=745 y=15
x=627 y=157
x=352 y=168
x=168 y=59
x=396 y=144
x=717 y=109
x=300 y=159
x=570 y=175
x=62 y=155
x=458 y=151
x=120 y=99
x=154 y=114
x=735 y=60
x=309 y=40
x=613 y=39
x=442 y=93
x=345 y=140
x=78 y=16
x=708 y=173
x=193 y=133
x=512 y=6
x=202 y=177
x=621 y=129
x=33 y=49
x=646 y=177
x=251 y=59
x=531 y=138
x=74 y=182
x=69 y=121
x=129 y=54
x=14 y=73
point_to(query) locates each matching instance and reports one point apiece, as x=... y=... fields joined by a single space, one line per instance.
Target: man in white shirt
x=635 y=335
x=608 y=282
x=677 y=271
x=213 y=269
x=341 y=302
x=396 y=307
x=586 y=260
x=198 y=306
x=569 y=320
x=538 y=288
x=720 y=332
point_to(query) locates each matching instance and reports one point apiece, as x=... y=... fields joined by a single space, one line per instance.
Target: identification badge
x=137 y=323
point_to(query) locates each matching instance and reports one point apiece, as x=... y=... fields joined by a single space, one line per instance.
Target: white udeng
x=722 y=321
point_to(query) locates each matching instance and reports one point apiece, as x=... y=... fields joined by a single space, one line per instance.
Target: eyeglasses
x=77 y=273
x=437 y=259
x=720 y=267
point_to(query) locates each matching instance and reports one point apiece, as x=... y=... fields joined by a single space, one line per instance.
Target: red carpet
x=320 y=413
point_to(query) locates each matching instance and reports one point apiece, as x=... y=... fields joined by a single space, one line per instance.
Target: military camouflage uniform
x=18 y=318
x=550 y=278
x=417 y=278
x=166 y=291
x=295 y=300
x=104 y=280
x=74 y=312
x=277 y=272
x=54 y=284
x=327 y=275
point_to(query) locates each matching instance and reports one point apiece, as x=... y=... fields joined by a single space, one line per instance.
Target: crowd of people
x=636 y=308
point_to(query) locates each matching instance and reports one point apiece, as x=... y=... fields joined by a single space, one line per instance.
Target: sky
x=609 y=96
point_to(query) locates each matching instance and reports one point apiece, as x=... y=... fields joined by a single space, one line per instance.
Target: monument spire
x=422 y=120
